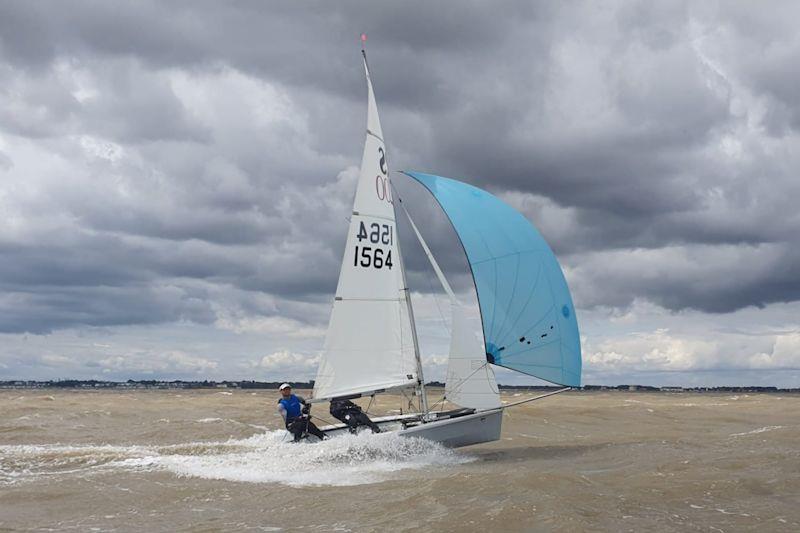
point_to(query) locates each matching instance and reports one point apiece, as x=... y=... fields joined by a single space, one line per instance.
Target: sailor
x=295 y=412
x=352 y=415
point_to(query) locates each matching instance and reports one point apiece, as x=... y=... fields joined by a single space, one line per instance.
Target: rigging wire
x=371 y=399
x=431 y=286
x=409 y=400
x=326 y=420
x=428 y=276
x=435 y=293
x=440 y=401
x=459 y=384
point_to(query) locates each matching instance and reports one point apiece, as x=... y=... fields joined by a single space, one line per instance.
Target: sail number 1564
x=374 y=256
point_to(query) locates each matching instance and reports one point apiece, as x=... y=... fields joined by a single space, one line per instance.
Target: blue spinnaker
x=529 y=322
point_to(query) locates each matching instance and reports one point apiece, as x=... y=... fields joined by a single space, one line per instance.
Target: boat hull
x=465 y=430
x=450 y=431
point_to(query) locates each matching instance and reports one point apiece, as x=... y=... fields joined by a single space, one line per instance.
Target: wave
x=264 y=458
x=756 y=431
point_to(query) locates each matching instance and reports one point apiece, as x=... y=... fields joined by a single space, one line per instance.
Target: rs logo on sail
x=382 y=186
x=382 y=161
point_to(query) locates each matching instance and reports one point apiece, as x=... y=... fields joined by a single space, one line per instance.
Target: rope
x=326 y=420
x=461 y=383
x=410 y=402
x=428 y=276
x=441 y=401
x=371 y=398
x=434 y=293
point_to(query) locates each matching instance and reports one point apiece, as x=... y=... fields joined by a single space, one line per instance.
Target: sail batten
x=527 y=314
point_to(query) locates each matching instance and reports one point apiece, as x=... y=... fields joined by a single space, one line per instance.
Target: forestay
x=369 y=344
x=527 y=314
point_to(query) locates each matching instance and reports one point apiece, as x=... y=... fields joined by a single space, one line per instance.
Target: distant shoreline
x=181 y=384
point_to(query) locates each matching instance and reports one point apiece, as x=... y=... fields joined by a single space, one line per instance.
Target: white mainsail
x=369 y=345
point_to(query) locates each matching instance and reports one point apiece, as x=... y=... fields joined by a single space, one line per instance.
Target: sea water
x=201 y=460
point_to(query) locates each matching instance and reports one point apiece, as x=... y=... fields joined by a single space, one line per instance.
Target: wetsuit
x=352 y=415
x=294 y=411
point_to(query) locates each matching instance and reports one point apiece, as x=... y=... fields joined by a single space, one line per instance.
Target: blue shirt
x=291 y=406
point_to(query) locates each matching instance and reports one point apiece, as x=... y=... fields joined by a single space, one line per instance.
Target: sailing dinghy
x=527 y=318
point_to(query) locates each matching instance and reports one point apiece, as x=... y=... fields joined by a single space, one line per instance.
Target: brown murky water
x=216 y=460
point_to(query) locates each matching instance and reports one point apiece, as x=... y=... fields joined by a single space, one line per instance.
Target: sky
x=175 y=178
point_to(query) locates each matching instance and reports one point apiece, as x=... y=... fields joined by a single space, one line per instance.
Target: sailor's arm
x=282 y=411
x=306 y=405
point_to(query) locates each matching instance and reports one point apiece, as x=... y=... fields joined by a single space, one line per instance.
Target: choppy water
x=217 y=460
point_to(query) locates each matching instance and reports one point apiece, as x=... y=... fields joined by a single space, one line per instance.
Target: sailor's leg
x=363 y=419
x=296 y=429
x=352 y=422
x=339 y=415
x=314 y=430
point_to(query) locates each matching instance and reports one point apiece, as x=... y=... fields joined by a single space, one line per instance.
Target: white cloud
x=785 y=353
x=648 y=339
x=157 y=363
x=289 y=362
x=272 y=325
x=656 y=350
x=55 y=360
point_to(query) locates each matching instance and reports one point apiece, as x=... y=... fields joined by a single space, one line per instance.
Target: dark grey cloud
x=716 y=279
x=43 y=310
x=145 y=146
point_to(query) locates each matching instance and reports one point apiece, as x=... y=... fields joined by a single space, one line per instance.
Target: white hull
x=447 y=429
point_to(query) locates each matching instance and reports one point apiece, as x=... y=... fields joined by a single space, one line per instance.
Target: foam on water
x=263 y=458
x=756 y=431
x=270 y=458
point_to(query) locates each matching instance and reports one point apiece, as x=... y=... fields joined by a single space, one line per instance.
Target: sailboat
x=527 y=318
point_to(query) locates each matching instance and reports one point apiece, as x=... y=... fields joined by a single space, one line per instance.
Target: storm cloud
x=195 y=162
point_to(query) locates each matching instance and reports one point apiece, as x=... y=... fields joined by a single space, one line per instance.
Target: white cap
x=285 y=386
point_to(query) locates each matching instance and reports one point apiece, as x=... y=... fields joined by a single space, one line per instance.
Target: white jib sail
x=470 y=380
x=369 y=344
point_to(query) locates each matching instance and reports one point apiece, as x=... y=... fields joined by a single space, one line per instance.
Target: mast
x=420 y=376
